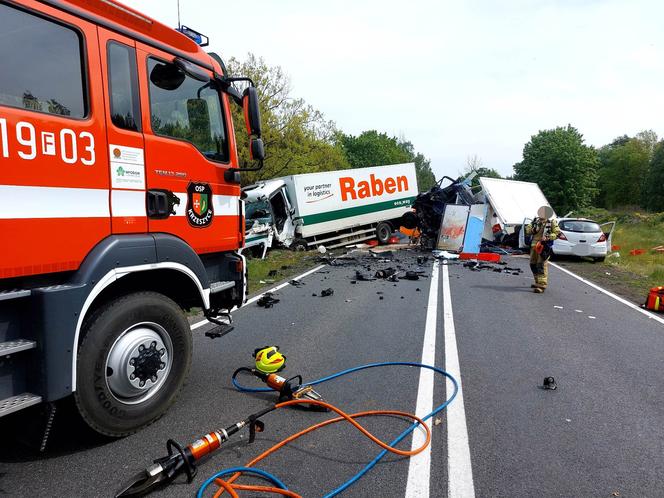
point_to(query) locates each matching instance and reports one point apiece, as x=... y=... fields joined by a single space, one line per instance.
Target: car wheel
x=132 y=362
x=383 y=232
x=600 y=259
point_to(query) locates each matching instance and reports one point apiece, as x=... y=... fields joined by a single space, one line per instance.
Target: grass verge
x=279 y=264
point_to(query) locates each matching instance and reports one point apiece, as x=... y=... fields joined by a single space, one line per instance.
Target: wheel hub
x=139 y=362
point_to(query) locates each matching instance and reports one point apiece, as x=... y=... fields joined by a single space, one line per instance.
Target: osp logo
x=199 y=204
x=372 y=188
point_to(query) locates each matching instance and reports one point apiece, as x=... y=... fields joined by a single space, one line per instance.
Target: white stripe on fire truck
x=24 y=202
x=128 y=203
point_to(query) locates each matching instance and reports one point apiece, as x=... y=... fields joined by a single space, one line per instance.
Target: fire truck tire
x=383 y=232
x=132 y=362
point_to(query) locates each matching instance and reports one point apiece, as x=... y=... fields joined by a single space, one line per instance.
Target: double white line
x=459 y=468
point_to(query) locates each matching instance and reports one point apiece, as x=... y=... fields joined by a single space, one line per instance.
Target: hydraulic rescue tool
x=180 y=459
x=292 y=392
x=269 y=361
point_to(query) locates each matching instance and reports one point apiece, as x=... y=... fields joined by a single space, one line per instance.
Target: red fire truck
x=119 y=206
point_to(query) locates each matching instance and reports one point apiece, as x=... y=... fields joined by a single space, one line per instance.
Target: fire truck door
x=124 y=131
x=187 y=151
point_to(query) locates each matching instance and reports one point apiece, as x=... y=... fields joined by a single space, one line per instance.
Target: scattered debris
x=387 y=272
x=349 y=300
x=558 y=307
x=592 y=317
x=579 y=311
x=418 y=290
x=272 y=273
x=327 y=292
x=393 y=278
x=411 y=275
x=267 y=300
x=219 y=331
x=286 y=267
x=353 y=281
x=314 y=295
x=549 y=383
x=637 y=252
x=296 y=283
x=380 y=298
x=437 y=421
x=363 y=277
x=658 y=249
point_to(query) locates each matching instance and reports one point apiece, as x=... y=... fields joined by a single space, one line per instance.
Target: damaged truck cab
x=119 y=207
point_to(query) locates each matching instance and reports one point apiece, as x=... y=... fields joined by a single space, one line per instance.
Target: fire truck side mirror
x=256 y=149
x=252 y=113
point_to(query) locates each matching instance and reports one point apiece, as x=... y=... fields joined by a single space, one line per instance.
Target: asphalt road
x=601 y=432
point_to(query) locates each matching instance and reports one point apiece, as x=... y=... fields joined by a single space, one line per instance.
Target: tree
x=562 y=165
x=474 y=162
x=371 y=148
x=297 y=137
x=624 y=167
x=654 y=185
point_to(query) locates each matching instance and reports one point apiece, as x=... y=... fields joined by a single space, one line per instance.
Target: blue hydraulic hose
x=244 y=470
x=398 y=439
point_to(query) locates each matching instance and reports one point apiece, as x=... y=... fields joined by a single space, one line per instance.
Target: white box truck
x=334 y=208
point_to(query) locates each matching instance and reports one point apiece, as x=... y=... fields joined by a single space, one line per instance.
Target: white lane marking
x=419 y=466
x=256 y=298
x=459 y=467
x=611 y=294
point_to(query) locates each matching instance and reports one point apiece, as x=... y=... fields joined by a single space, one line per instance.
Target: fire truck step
x=15 y=346
x=16 y=403
x=14 y=294
x=220 y=286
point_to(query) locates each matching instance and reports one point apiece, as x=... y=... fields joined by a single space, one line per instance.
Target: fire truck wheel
x=132 y=361
x=383 y=232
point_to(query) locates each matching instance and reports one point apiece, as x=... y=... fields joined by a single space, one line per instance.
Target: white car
x=584 y=238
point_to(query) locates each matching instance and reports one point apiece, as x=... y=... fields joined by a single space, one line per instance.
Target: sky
x=456 y=78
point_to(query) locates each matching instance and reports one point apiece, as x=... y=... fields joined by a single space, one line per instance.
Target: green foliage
x=371 y=148
x=563 y=167
x=297 y=137
x=624 y=167
x=653 y=190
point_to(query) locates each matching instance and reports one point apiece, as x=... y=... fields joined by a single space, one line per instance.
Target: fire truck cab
x=119 y=207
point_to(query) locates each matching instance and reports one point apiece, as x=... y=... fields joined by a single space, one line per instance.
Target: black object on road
x=327 y=292
x=549 y=383
x=267 y=301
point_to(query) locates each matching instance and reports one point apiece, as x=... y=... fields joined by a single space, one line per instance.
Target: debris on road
x=327 y=292
x=296 y=283
x=267 y=300
x=549 y=383
x=272 y=273
x=411 y=275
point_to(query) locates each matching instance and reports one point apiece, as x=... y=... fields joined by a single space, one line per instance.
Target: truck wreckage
x=457 y=218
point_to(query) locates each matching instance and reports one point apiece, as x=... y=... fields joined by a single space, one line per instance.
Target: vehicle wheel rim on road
x=139 y=362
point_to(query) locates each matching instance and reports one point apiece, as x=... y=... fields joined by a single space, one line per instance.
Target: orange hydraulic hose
x=343 y=417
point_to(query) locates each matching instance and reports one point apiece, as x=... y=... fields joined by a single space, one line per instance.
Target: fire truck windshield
x=184 y=108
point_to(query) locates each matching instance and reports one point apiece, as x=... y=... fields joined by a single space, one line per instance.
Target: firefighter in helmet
x=544 y=230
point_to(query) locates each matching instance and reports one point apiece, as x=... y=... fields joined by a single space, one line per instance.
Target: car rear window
x=580 y=226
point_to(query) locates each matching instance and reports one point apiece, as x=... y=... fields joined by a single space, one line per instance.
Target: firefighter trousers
x=539 y=267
